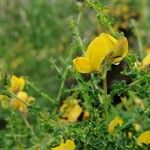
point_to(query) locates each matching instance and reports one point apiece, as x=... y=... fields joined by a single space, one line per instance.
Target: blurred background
x=33 y=31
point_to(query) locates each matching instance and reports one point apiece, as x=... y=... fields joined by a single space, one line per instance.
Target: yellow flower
x=147 y=50
x=146 y=62
x=86 y=115
x=137 y=127
x=103 y=46
x=71 y=110
x=69 y=145
x=116 y=121
x=16 y=84
x=129 y=134
x=144 y=138
x=21 y=102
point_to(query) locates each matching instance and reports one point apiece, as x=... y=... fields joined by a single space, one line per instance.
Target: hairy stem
x=44 y=95
x=106 y=102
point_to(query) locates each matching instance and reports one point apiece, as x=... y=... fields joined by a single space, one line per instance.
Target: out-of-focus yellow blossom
x=147 y=50
x=16 y=62
x=129 y=134
x=68 y=145
x=146 y=62
x=103 y=46
x=137 y=127
x=86 y=115
x=123 y=12
x=70 y=110
x=144 y=138
x=116 y=121
x=16 y=84
x=139 y=102
x=122 y=9
x=137 y=64
x=21 y=102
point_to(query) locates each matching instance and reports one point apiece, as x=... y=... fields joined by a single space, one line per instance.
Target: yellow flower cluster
x=102 y=47
x=22 y=100
x=68 y=145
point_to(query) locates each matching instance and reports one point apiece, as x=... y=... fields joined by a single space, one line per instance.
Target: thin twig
x=136 y=32
x=65 y=73
x=137 y=81
x=27 y=123
x=44 y=95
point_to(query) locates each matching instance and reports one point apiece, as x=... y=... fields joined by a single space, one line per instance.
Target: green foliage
x=39 y=41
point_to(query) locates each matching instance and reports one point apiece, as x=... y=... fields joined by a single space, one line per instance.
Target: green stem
x=138 y=81
x=27 y=123
x=106 y=100
x=97 y=88
x=62 y=84
x=44 y=95
x=139 y=40
x=103 y=18
x=105 y=84
x=65 y=74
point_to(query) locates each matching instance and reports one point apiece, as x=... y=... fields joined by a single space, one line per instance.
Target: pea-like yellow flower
x=16 y=84
x=103 y=46
x=68 y=145
x=146 y=62
x=70 y=110
x=21 y=101
x=116 y=121
x=144 y=138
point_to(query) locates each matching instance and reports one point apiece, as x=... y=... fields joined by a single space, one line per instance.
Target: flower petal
x=75 y=113
x=21 y=83
x=17 y=84
x=116 y=121
x=120 y=50
x=20 y=102
x=68 y=145
x=146 y=61
x=144 y=138
x=82 y=65
x=99 y=48
x=14 y=83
